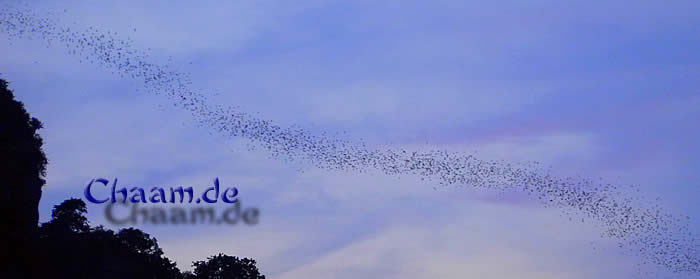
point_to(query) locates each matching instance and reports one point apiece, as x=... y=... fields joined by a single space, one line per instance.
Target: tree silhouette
x=69 y=216
x=226 y=267
x=66 y=246
x=188 y=275
x=139 y=242
x=96 y=252
x=22 y=172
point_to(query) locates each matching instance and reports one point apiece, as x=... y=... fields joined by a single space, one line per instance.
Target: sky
x=599 y=89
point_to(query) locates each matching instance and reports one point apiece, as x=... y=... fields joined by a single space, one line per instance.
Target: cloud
x=475 y=243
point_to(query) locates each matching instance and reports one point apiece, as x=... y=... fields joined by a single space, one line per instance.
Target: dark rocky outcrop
x=22 y=171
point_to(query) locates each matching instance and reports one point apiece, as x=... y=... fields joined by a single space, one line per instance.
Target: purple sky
x=591 y=88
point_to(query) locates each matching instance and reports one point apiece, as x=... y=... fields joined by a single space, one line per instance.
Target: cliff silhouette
x=67 y=246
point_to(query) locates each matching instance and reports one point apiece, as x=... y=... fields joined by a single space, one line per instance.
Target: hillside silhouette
x=67 y=246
